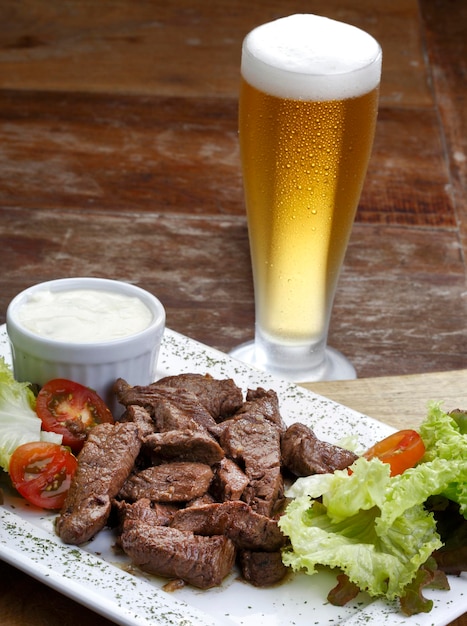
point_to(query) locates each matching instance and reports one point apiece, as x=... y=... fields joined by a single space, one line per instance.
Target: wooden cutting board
x=400 y=401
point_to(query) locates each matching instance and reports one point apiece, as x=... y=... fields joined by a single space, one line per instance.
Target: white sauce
x=309 y=57
x=84 y=315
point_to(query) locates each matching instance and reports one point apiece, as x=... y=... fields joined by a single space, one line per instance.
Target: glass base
x=335 y=366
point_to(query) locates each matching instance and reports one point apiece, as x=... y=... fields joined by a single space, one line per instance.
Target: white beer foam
x=309 y=57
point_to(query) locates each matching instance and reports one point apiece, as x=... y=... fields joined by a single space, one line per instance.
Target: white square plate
x=99 y=577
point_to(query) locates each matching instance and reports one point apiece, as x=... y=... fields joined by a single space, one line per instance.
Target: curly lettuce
x=19 y=422
x=445 y=437
x=356 y=523
x=374 y=527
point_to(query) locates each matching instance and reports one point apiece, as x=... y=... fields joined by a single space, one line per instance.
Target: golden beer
x=304 y=164
x=307 y=116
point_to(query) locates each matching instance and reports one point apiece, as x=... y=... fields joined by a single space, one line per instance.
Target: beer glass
x=307 y=114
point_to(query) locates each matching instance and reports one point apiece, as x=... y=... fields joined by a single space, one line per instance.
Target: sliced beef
x=229 y=481
x=177 y=409
x=207 y=498
x=200 y=561
x=169 y=482
x=184 y=445
x=154 y=513
x=193 y=475
x=222 y=398
x=260 y=402
x=235 y=520
x=262 y=569
x=304 y=454
x=265 y=491
x=139 y=416
x=170 y=408
x=106 y=460
x=254 y=442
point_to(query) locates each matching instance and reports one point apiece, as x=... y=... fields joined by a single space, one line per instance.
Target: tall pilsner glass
x=307 y=116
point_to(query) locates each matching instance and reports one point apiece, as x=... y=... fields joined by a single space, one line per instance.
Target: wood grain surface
x=400 y=401
x=119 y=158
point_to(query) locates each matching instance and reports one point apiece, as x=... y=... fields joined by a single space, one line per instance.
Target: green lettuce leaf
x=445 y=438
x=417 y=484
x=361 y=526
x=376 y=528
x=19 y=422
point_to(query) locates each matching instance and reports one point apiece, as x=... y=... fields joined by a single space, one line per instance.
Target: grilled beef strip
x=222 y=398
x=154 y=513
x=200 y=561
x=236 y=520
x=106 y=460
x=207 y=498
x=170 y=408
x=265 y=492
x=139 y=416
x=254 y=443
x=169 y=482
x=229 y=481
x=304 y=454
x=178 y=409
x=264 y=404
x=262 y=569
x=184 y=445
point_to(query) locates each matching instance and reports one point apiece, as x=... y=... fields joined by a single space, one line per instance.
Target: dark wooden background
x=119 y=158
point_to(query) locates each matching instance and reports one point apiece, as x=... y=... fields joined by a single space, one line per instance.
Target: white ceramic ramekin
x=37 y=359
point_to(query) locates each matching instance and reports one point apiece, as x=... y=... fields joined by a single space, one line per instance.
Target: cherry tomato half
x=71 y=410
x=41 y=472
x=401 y=450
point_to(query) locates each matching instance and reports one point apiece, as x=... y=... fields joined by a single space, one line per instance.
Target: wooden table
x=119 y=158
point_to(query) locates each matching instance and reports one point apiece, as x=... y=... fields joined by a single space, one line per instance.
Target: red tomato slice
x=401 y=450
x=71 y=410
x=41 y=472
